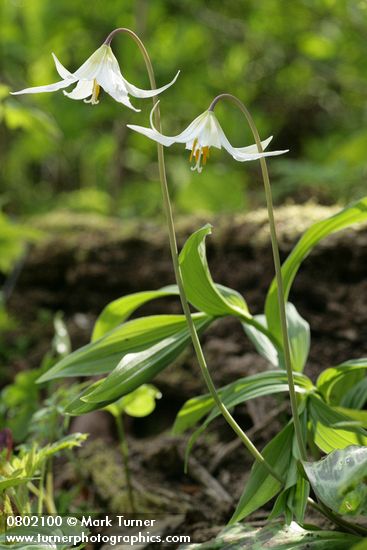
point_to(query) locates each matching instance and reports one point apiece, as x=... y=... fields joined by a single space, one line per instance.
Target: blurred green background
x=300 y=66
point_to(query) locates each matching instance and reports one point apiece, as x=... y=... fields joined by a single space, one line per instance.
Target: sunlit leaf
x=352 y=214
x=141 y=367
x=116 y=312
x=335 y=382
x=249 y=387
x=139 y=403
x=200 y=288
x=327 y=435
x=103 y=355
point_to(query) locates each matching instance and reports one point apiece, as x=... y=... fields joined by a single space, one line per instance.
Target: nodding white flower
x=205 y=132
x=101 y=70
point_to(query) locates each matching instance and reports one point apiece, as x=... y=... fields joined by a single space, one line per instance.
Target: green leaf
x=299 y=339
x=138 y=403
x=116 y=312
x=249 y=387
x=276 y=536
x=356 y=397
x=138 y=368
x=360 y=417
x=264 y=346
x=77 y=406
x=103 y=355
x=7 y=483
x=339 y=480
x=200 y=289
x=335 y=382
x=326 y=433
x=354 y=213
x=262 y=486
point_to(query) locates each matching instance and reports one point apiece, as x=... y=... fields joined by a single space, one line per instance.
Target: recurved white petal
x=153 y=134
x=253 y=148
x=48 y=88
x=241 y=155
x=63 y=72
x=82 y=90
x=138 y=92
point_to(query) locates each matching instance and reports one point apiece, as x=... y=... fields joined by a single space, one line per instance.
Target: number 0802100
x=34 y=521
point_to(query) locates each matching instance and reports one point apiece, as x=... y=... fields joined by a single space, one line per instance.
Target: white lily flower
x=205 y=132
x=101 y=70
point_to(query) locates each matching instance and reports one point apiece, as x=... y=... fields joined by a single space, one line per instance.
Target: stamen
x=95 y=93
x=193 y=148
x=197 y=153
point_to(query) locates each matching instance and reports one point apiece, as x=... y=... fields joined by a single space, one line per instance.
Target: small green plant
x=326 y=416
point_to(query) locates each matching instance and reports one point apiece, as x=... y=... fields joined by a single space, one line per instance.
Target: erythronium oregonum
x=205 y=132
x=100 y=70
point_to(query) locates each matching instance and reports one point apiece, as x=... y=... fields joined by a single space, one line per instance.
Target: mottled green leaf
x=276 y=536
x=339 y=480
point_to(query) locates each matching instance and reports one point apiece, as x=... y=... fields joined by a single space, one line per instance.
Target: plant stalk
x=177 y=271
x=278 y=269
x=125 y=457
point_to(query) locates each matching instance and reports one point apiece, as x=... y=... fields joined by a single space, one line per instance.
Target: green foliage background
x=300 y=66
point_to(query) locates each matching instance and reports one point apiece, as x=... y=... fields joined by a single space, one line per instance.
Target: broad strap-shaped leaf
x=335 y=382
x=268 y=349
x=299 y=337
x=339 y=480
x=103 y=355
x=292 y=501
x=141 y=367
x=77 y=407
x=358 y=416
x=249 y=387
x=352 y=214
x=276 y=536
x=356 y=397
x=331 y=429
x=261 y=485
x=200 y=289
x=116 y=312
x=272 y=349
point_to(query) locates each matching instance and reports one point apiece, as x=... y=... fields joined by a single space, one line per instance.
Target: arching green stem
x=277 y=265
x=176 y=266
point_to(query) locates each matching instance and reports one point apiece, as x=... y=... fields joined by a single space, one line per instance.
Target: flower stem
x=176 y=266
x=278 y=269
x=125 y=457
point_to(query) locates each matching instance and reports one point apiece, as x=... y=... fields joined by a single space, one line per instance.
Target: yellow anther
x=193 y=148
x=95 y=93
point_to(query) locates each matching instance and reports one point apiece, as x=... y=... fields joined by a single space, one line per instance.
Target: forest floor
x=86 y=262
